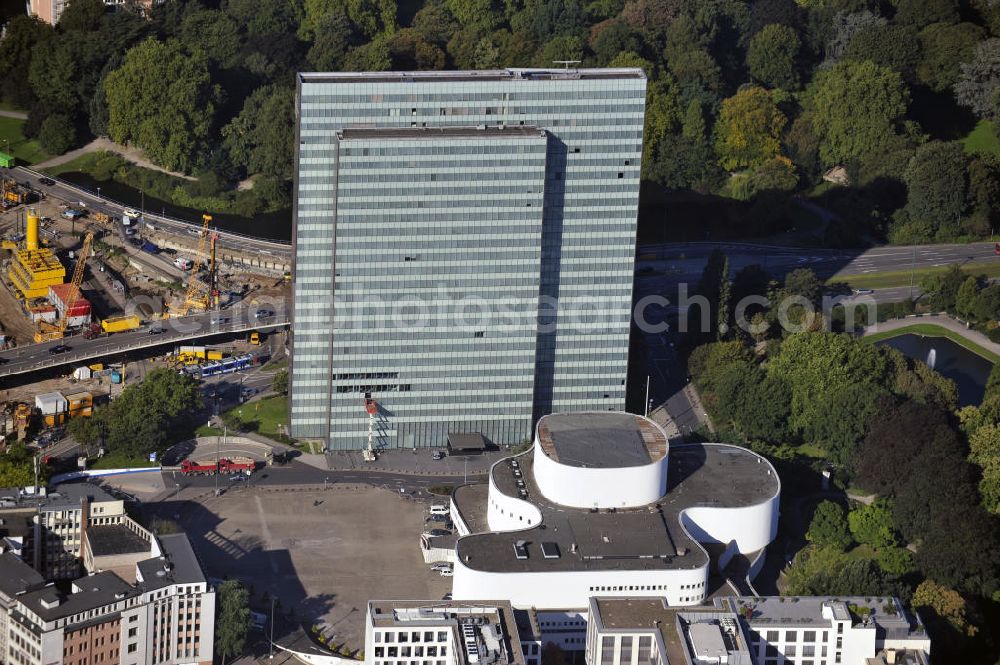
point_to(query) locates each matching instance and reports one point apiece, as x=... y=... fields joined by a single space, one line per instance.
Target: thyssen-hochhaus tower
x=464 y=248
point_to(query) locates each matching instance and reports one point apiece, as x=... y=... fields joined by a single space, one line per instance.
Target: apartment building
x=165 y=617
x=51 y=11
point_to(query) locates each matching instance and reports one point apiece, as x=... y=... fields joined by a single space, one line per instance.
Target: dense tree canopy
x=857 y=107
x=840 y=75
x=163 y=98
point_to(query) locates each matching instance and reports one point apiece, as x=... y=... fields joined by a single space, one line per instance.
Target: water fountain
x=932 y=358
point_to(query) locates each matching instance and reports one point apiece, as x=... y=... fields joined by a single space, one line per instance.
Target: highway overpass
x=37 y=357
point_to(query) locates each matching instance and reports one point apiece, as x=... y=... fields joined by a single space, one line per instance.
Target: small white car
x=441 y=566
x=446 y=573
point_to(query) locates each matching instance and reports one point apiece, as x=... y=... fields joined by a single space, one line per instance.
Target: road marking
x=267 y=534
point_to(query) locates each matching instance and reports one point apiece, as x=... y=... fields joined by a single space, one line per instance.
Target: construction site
x=67 y=270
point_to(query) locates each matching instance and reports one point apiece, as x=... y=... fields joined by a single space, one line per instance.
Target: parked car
x=58 y=349
x=438 y=567
x=131 y=232
x=438 y=455
x=48 y=182
x=158 y=330
x=264 y=313
x=445 y=573
x=218 y=320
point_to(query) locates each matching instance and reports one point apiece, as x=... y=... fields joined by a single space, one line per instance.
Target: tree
x=943 y=288
x=920 y=13
x=57 y=134
x=987 y=306
x=892 y=46
x=612 y=37
x=818 y=366
x=261 y=138
x=748 y=131
x=335 y=37
x=827 y=571
x=772 y=57
x=409 y=51
x=828 y=527
x=855 y=108
x=17 y=467
x=965 y=300
x=803 y=282
x=17 y=48
x=214 y=27
x=845 y=26
x=232 y=623
x=936 y=187
x=979 y=82
x=81 y=15
x=872 y=525
x=279 y=383
x=943 y=603
x=435 y=23
x=895 y=560
x=162 y=98
x=943 y=48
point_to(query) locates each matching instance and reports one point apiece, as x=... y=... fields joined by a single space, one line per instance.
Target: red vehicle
x=996 y=248
x=243 y=465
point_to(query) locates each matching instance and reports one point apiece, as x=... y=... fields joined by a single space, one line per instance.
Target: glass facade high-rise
x=464 y=246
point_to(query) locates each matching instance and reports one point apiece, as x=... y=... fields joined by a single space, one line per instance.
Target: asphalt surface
x=297 y=473
x=35 y=357
x=74 y=195
x=683 y=262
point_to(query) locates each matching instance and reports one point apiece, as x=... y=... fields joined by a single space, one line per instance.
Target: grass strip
x=933 y=330
x=884 y=280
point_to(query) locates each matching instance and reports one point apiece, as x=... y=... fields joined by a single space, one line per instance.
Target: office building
x=53 y=523
x=403 y=632
x=601 y=505
x=464 y=244
x=773 y=630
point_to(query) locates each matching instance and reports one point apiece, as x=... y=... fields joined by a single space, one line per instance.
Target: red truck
x=243 y=465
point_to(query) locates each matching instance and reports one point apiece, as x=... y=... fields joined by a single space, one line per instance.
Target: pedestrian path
x=941 y=320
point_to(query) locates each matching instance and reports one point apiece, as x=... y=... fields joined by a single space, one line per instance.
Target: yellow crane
x=47 y=331
x=199 y=294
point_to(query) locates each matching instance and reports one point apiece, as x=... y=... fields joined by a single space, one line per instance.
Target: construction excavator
x=48 y=331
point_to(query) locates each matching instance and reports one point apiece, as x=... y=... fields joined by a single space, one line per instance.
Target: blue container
x=116 y=376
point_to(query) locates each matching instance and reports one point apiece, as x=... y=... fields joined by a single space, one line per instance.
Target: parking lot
x=323 y=553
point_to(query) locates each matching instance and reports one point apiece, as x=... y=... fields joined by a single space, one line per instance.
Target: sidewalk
x=941 y=320
x=681 y=414
x=419 y=463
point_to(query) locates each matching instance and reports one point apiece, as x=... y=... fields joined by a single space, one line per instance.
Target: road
x=74 y=195
x=38 y=356
x=683 y=262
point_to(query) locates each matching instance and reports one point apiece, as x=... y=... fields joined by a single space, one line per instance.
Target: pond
x=968 y=370
x=273 y=225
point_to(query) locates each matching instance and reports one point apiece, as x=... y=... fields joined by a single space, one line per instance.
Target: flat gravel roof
x=601 y=440
x=644 y=538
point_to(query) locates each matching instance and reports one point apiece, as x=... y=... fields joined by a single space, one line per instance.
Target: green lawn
x=884 y=280
x=4 y=106
x=12 y=141
x=121 y=461
x=982 y=140
x=931 y=330
x=264 y=416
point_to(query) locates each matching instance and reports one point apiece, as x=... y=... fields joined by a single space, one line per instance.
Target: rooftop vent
x=550 y=550
x=521 y=549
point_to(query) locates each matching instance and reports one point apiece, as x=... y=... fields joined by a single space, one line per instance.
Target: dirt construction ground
x=323 y=553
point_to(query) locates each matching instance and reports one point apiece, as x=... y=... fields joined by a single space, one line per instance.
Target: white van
x=439 y=509
x=182 y=263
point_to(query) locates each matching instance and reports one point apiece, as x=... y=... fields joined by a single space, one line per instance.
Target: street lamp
x=271 y=657
x=98 y=193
